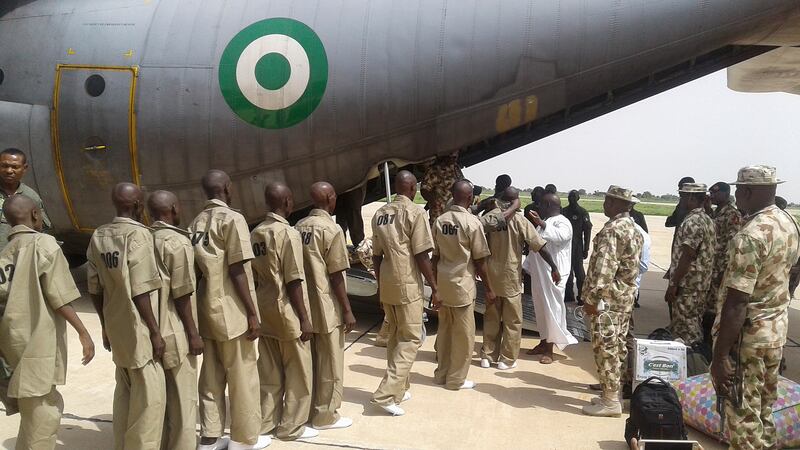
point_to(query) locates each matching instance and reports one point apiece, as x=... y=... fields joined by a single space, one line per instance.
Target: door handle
x=95 y=148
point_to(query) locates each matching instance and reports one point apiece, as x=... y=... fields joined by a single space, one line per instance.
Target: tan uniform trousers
x=454 y=344
x=502 y=330
x=139 y=405
x=181 y=417
x=39 y=421
x=383 y=334
x=284 y=368
x=327 y=351
x=231 y=363
x=405 y=334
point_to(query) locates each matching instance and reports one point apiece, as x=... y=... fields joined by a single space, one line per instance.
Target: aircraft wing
x=775 y=71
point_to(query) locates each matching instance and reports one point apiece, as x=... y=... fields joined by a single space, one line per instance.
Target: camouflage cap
x=693 y=188
x=757 y=176
x=621 y=193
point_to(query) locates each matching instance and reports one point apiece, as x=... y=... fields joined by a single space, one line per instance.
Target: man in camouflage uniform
x=727 y=222
x=753 y=320
x=437 y=181
x=691 y=266
x=611 y=279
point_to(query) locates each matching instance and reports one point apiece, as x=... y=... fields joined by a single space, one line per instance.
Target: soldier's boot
x=606 y=406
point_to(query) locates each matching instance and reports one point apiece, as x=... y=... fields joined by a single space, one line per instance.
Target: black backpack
x=655 y=412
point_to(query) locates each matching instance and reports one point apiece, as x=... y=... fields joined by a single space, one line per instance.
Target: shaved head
x=163 y=206
x=21 y=210
x=216 y=185
x=128 y=199
x=510 y=194
x=323 y=195
x=279 y=198
x=550 y=205
x=462 y=193
x=405 y=183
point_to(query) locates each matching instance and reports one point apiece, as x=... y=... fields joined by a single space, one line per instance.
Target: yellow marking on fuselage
x=70 y=51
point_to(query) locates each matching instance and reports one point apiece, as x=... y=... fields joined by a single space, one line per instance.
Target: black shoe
x=627 y=392
x=595 y=387
x=579 y=302
x=636 y=305
x=569 y=300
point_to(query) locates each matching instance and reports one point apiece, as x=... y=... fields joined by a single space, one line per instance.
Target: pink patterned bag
x=700 y=408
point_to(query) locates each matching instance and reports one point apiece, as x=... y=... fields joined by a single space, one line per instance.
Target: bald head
x=21 y=210
x=163 y=206
x=462 y=193
x=405 y=183
x=128 y=199
x=550 y=205
x=510 y=194
x=279 y=198
x=323 y=195
x=216 y=185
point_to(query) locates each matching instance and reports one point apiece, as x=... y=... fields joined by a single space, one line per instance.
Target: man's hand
x=436 y=302
x=491 y=297
x=88 y=348
x=536 y=218
x=672 y=294
x=556 y=276
x=196 y=345
x=253 y=328
x=585 y=254
x=349 y=321
x=106 y=342
x=158 y=345
x=306 y=330
x=722 y=376
x=590 y=309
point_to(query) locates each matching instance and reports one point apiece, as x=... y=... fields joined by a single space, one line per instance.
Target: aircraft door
x=94 y=137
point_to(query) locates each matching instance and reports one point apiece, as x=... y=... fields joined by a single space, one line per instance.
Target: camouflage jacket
x=760 y=257
x=438 y=180
x=614 y=265
x=727 y=222
x=696 y=231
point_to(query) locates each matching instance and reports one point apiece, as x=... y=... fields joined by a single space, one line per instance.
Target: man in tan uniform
x=401 y=242
x=122 y=276
x=177 y=312
x=228 y=321
x=506 y=238
x=460 y=251
x=13 y=165
x=36 y=290
x=284 y=362
x=325 y=261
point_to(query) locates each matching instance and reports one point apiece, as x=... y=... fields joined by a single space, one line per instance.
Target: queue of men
x=268 y=309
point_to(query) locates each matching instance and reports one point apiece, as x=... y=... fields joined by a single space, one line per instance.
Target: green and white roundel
x=273 y=73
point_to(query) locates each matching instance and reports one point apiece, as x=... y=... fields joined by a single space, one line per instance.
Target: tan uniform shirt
x=221 y=238
x=459 y=242
x=505 y=243
x=324 y=253
x=25 y=190
x=175 y=258
x=400 y=231
x=279 y=261
x=122 y=265
x=34 y=283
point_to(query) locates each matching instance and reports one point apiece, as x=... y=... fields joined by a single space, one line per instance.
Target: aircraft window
x=95 y=85
x=2 y=76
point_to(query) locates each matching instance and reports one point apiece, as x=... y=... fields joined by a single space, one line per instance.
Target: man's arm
x=732 y=319
x=295 y=291
x=688 y=254
x=550 y=262
x=434 y=267
x=509 y=213
x=240 y=283
x=142 y=302
x=68 y=313
x=480 y=268
x=97 y=301
x=587 y=235
x=425 y=267
x=183 y=306
x=340 y=291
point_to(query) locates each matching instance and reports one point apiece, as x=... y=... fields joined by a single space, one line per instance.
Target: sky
x=701 y=129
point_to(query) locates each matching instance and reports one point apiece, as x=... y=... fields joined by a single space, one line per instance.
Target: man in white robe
x=548 y=297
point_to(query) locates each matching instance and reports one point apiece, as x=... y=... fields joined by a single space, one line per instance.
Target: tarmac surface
x=532 y=406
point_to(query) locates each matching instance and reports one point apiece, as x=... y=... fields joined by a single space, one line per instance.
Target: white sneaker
x=393 y=409
x=343 y=422
x=309 y=433
x=406 y=396
x=485 y=363
x=262 y=442
x=221 y=443
x=468 y=385
x=503 y=366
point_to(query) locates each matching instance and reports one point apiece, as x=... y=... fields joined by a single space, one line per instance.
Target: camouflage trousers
x=687 y=316
x=609 y=331
x=436 y=208
x=751 y=426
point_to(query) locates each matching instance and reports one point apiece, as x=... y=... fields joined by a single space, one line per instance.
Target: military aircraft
x=159 y=91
